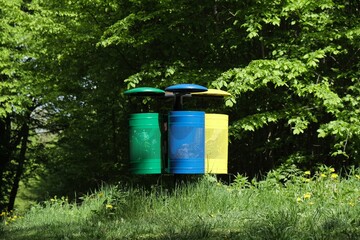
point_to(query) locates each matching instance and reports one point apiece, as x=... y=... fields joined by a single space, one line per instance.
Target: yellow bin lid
x=211 y=93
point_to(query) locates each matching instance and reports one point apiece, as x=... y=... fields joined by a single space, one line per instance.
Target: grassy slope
x=322 y=207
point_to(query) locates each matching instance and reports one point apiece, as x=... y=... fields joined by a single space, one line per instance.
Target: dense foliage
x=292 y=68
x=299 y=101
x=20 y=95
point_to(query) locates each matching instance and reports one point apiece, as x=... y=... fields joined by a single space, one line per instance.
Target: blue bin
x=186 y=142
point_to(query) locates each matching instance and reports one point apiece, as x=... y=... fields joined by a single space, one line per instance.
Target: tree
x=291 y=66
x=285 y=62
x=84 y=109
x=302 y=90
x=18 y=97
x=106 y=48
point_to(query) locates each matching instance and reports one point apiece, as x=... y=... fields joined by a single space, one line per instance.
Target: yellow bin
x=216 y=143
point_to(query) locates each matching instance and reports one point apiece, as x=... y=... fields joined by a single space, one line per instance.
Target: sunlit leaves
x=154 y=70
x=280 y=72
x=119 y=32
x=255 y=122
x=305 y=47
x=299 y=124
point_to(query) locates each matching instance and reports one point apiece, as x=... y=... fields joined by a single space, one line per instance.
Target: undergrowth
x=287 y=204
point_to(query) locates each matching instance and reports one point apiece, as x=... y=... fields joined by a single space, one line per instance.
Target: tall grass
x=286 y=205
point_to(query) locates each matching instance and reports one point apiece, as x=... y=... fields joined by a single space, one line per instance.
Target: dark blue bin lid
x=145 y=91
x=186 y=88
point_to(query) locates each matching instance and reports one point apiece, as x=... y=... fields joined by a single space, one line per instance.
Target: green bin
x=145 y=136
x=145 y=143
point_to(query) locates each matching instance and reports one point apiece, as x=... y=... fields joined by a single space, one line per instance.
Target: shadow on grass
x=259 y=229
x=276 y=225
x=53 y=231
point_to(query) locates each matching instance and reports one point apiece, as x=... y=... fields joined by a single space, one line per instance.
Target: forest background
x=292 y=67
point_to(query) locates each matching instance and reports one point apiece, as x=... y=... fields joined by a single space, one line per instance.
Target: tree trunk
x=20 y=167
x=5 y=153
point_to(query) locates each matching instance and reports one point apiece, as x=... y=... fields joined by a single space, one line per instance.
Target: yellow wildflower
x=357 y=176
x=334 y=176
x=307 y=195
x=351 y=203
x=323 y=175
x=298 y=199
x=311 y=203
x=109 y=206
x=332 y=169
x=307 y=173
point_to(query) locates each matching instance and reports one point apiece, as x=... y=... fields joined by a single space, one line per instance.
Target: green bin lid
x=211 y=93
x=145 y=91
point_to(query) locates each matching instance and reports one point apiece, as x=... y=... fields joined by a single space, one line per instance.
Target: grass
x=286 y=205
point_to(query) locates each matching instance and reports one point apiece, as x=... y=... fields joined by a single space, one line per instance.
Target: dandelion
x=307 y=195
x=109 y=206
x=307 y=173
x=323 y=175
x=298 y=199
x=334 y=176
x=357 y=176
x=332 y=169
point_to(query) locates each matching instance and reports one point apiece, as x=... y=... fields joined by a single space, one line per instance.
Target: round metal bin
x=186 y=139
x=145 y=143
x=216 y=143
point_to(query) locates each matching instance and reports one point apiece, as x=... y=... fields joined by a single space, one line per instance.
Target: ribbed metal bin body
x=145 y=143
x=216 y=143
x=186 y=139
